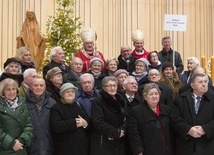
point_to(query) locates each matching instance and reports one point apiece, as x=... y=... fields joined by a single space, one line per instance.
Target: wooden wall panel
x=115 y=20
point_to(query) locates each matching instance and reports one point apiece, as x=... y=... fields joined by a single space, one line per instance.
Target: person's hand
x=194 y=132
x=18 y=146
x=122 y=133
x=200 y=130
x=81 y=122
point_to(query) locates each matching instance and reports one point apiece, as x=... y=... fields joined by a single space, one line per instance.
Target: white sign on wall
x=175 y=22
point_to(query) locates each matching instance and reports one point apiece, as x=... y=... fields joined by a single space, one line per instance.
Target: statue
x=32 y=38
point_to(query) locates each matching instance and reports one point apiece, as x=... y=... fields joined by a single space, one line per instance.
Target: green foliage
x=63 y=30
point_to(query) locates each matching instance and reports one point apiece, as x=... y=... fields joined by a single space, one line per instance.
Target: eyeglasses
x=111 y=86
x=155 y=74
x=132 y=83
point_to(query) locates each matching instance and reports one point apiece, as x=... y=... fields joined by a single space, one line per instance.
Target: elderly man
x=138 y=43
x=193 y=119
x=54 y=81
x=131 y=95
x=166 y=91
x=57 y=58
x=29 y=75
x=167 y=54
x=126 y=59
x=39 y=103
x=73 y=76
x=87 y=92
x=192 y=63
x=89 y=51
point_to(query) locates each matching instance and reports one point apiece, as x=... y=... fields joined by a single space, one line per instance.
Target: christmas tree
x=63 y=30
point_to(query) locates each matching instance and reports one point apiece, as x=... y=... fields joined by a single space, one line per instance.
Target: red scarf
x=158 y=110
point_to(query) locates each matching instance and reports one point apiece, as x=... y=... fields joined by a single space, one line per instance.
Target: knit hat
x=9 y=60
x=97 y=59
x=167 y=64
x=87 y=35
x=145 y=61
x=52 y=72
x=120 y=71
x=137 y=35
x=66 y=86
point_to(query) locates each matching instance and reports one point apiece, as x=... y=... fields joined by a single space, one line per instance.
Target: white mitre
x=87 y=35
x=137 y=35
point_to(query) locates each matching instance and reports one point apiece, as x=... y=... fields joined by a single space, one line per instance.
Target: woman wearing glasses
x=108 y=120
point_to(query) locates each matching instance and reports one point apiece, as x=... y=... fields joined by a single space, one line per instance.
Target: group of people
x=140 y=103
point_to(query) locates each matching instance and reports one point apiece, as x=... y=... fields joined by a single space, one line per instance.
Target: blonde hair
x=20 y=53
x=111 y=59
x=5 y=83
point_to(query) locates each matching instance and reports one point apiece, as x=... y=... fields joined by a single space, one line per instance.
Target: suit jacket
x=184 y=117
x=53 y=64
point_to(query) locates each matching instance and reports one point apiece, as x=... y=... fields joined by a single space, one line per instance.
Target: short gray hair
x=53 y=51
x=109 y=78
x=87 y=75
x=28 y=72
x=150 y=86
x=195 y=60
x=128 y=77
x=5 y=83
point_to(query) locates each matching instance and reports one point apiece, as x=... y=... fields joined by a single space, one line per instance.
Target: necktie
x=197 y=104
x=130 y=99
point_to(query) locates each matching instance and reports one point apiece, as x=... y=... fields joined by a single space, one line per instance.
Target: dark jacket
x=14 y=125
x=17 y=77
x=149 y=133
x=24 y=67
x=108 y=119
x=128 y=64
x=50 y=87
x=41 y=143
x=184 y=77
x=86 y=99
x=98 y=81
x=53 y=64
x=184 y=117
x=164 y=56
x=67 y=138
x=72 y=78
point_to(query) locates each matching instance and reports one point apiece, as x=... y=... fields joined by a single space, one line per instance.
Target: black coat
x=149 y=133
x=108 y=118
x=41 y=143
x=50 y=87
x=53 y=64
x=72 y=78
x=128 y=64
x=184 y=118
x=67 y=138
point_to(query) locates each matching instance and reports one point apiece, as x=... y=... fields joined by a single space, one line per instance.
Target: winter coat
x=127 y=65
x=53 y=64
x=41 y=143
x=98 y=81
x=184 y=117
x=108 y=119
x=50 y=87
x=148 y=133
x=24 y=66
x=86 y=99
x=14 y=125
x=72 y=78
x=164 y=56
x=67 y=138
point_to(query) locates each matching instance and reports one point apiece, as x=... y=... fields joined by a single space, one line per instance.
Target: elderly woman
x=121 y=75
x=111 y=66
x=108 y=120
x=54 y=81
x=154 y=61
x=69 y=124
x=12 y=70
x=24 y=57
x=149 y=129
x=96 y=66
x=192 y=63
x=15 y=124
x=140 y=73
x=170 y=78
